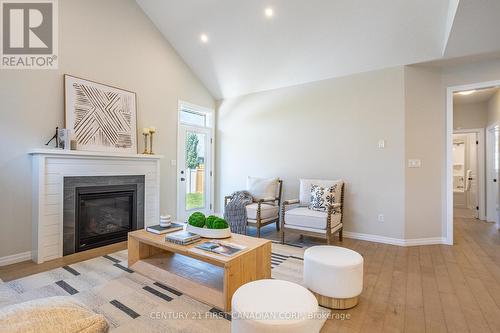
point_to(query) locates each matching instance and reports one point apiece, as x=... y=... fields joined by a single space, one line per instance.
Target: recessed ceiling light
x=468 y=92
x=204 y=38
x=269 y=12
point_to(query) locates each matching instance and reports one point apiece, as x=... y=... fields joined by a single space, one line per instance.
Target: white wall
x=424 y=132
x=330 y=129
x=327 y=129
x=108 y=41
x=470 y=115
x=493 y=109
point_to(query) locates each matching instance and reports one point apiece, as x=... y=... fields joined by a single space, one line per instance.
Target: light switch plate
x=414 y=163
x=381 y=143
x=173 y=162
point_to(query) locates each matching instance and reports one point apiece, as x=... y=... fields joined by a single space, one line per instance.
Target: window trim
x=196 y=109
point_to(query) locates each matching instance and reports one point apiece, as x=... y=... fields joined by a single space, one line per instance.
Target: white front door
x=194 y=171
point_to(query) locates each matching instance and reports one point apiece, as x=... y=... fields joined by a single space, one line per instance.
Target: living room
x=233 y=119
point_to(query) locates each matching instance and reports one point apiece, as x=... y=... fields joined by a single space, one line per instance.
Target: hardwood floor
x=25 y=268
x=435 y=288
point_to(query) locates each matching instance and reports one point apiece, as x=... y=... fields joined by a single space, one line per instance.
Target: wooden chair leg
x=282 y=235
x=329 y=236
x=258 y=230
x=341 y=236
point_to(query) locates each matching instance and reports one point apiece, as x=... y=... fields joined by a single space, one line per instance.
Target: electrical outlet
x=414 y=163
x=381 y=143
x=381 y=218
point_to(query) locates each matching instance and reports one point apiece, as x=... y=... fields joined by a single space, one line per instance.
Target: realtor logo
x=29 y=34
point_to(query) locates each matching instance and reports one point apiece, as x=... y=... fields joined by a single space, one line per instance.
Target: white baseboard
x=395 y=241
x=15 y=258
x=425 y=241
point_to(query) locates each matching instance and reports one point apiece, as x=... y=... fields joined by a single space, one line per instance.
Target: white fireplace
x=51 y=166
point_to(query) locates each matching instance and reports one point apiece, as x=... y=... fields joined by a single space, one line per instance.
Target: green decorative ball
x=219 y=223
x=210 y=220
x=197 y=219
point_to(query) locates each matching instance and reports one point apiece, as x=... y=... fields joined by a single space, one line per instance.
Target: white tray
x=209 y=233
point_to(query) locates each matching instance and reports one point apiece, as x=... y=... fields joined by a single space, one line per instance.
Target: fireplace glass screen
x=104 y=216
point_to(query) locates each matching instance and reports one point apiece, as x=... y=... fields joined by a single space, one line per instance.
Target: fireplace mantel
x=83 y=153
x=51 y=166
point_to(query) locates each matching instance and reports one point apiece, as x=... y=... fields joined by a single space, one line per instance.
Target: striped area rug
x=132 y=302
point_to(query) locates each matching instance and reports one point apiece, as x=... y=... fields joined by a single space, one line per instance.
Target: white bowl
x=209 y=233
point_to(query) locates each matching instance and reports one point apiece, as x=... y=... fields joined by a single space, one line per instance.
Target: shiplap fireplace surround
x=50 y=166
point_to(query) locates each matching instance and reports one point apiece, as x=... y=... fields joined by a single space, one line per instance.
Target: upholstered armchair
x=265 y=208
x=299 y=216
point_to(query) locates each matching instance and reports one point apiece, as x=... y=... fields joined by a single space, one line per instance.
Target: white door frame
x=481 y=179
x=448 y=203
x=489 y=194
x=211 y=114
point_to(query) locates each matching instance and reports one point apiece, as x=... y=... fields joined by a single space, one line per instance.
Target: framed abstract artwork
x=101 y=117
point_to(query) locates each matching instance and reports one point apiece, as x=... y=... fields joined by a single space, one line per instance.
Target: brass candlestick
x=145 y=143
x=152 y=131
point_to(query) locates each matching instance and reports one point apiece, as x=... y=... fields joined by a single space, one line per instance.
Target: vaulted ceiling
x=310 y=40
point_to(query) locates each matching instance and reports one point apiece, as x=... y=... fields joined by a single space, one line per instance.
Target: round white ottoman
x=334 y=275
x=274 y=306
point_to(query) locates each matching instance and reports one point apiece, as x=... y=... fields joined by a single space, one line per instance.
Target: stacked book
x=182 y=237
x=219 y=247
x=158 y=229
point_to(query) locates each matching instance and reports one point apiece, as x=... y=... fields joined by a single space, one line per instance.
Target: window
x=191 y=118
x=194 y=115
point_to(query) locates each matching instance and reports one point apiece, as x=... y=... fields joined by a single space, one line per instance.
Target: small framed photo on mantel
x=101 y=117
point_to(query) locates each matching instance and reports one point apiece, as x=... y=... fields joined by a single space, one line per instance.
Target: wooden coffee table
x=208 y=277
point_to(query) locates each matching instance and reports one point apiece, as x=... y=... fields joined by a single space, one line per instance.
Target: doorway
x=467 y=175
x=194 y=161
x=471 y=110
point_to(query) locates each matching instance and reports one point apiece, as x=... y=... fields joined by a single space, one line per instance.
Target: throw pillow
x=262 y=188
x=321 y=197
